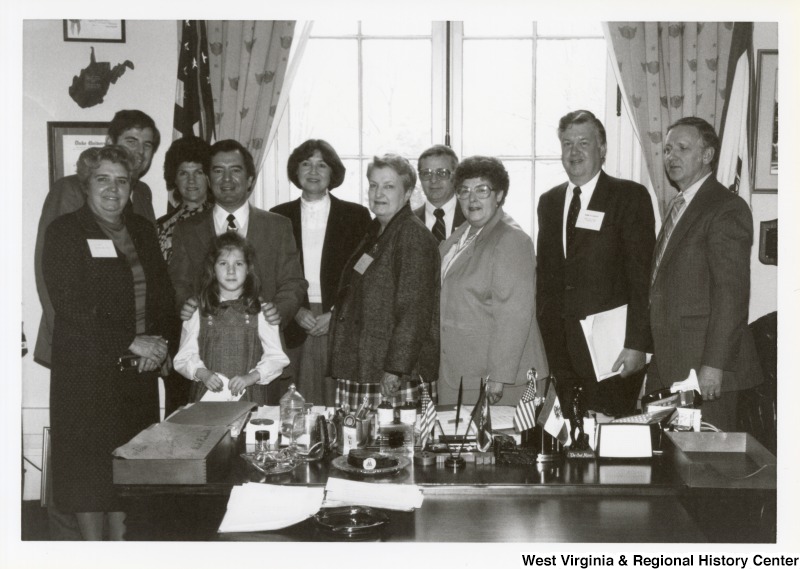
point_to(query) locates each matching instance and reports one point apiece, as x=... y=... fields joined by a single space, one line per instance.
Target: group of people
x=218 y=294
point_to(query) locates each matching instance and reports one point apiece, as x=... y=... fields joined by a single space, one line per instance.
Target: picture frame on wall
x=66 y=141
x=109 y=31
x=766 y=151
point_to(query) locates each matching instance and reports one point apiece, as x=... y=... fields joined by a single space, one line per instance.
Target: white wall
x=49 y=64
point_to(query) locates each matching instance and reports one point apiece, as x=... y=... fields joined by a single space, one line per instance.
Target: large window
x=369 y=88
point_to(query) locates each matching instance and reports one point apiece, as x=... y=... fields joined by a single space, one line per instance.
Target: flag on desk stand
x=428 y=419
x=551 y=418
x=525 y=414
x=483 y=419
x=194 y=105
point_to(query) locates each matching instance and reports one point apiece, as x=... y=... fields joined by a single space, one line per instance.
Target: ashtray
x=351 y=522
x=398 y=464
x=270 y=463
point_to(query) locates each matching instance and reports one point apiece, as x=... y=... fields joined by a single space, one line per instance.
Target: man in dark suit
x=441 y=212
x=277 y=263
x=700 y=279
x=137 y=132
x=595 y=242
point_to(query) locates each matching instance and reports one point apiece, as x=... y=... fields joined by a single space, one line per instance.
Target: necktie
x=678 y=203
x=231 y=222
x=438 y=226
x=572 y=216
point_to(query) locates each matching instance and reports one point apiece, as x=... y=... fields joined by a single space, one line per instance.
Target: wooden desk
x=575 y=501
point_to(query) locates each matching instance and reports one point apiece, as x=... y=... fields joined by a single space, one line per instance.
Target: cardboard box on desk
x=721 y=460
x=193 y=446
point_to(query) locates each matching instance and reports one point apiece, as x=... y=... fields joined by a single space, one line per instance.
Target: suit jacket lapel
x=693 y=211
x=332 y=229
x=560 y=196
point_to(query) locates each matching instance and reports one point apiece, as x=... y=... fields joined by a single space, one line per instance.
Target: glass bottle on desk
x=291 y=404
x=385 y=412
x=408 y=411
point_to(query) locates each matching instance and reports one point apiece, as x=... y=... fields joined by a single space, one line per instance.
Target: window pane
x=518 y=202
x=350 y=189
x=549 y=173
x=319 y=111
x=395 y=28
x=570 y=75
x=397 y=96
x=497 y=97
x=498 y=27
x=569 y=28
x=334 y=28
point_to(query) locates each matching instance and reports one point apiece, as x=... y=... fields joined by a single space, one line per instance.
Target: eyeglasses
x=440 y=173
x=482 y=191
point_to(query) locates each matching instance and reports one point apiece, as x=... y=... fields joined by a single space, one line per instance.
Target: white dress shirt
x=242 y=216
x=586 y=195
x=187 y=361
x=449 y=209
x=314 y=222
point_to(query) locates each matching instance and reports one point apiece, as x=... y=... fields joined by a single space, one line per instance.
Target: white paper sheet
x=264 y=507
x=605 y=337
x=341 y=492
x=224 y=394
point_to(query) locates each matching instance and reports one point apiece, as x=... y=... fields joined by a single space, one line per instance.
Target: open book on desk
x=605 y=337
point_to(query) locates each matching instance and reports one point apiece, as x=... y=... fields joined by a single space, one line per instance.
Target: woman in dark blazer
x=112 y=297
x=327 y=230
x=385 y=329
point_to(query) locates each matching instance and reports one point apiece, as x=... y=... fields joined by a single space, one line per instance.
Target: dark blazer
x=488 y=308
x=609 y=268
x=67 y=196
x=347 y=224
x=699 y=300
x=277 y=263
x=458 y=216
x=387 y=319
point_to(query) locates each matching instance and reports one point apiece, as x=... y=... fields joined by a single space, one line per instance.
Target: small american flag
x=428 y=419
x=525 y=414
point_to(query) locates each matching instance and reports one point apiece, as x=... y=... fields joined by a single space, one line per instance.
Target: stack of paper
x=340 y=492
x=605 y=338
x=264 y=507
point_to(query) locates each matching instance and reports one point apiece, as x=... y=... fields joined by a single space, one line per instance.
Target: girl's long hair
x=209 y=290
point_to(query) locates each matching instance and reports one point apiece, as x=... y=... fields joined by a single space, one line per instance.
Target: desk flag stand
x=538 y=416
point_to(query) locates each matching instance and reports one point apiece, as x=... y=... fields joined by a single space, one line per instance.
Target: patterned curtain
x=248 y=66
x=670 y=70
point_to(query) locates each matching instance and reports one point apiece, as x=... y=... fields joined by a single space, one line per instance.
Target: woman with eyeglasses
x=488 y=295
x=326 y=230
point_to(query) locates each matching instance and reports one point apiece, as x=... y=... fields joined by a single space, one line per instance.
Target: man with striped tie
x=441 y=212
x=700 y=279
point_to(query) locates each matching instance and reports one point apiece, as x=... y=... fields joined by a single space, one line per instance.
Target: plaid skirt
x=351 y=393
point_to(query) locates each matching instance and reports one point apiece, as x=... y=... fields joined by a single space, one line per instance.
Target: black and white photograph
x=433 y=284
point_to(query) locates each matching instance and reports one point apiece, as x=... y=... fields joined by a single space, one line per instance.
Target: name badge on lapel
x=362 y=264
x=589 y=219
x=102 y=248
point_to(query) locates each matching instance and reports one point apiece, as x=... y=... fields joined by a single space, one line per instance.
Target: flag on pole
x=483 y=420
x=429 y=416
x=525 y=414
x=551 y=418
x=194 y=105
x=733 y=170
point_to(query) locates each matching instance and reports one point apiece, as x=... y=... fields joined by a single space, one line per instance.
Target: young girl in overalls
x=228 y=335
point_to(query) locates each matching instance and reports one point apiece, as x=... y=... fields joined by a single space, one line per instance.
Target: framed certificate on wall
x=66 y=141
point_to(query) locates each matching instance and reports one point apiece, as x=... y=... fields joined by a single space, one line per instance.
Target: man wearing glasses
x=440 y=213
x=595 y=244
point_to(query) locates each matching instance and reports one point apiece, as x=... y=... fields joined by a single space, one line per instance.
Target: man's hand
x=270 y=312
x=166 y=367
x=630 y=360
x=390 y=385
x=322 y=325
x=710 y=380
x=188 y=308
x=304 y=318
x=494 y=391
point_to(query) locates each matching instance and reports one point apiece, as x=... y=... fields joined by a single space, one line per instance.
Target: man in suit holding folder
x=595 y=244
x=700 y=279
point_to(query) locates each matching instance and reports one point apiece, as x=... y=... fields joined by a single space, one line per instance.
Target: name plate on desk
x=620 y=440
